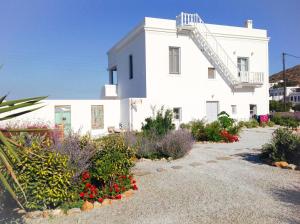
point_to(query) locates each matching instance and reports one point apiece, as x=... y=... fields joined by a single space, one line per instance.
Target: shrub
x=285 y=146
x=278 y=106
x=251 y=123
x=227 y=137
x=296 y=107
x=286 y=121
x=45 y=177
x=271 y=124
x=176 y=144
x=160 y=125
x=213 y=131
x=79 y=150
x=113 y=159
x=197 y=130
x=225 y=120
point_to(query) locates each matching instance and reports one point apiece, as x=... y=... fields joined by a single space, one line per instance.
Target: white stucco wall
x=80 y=114
x=191 y=89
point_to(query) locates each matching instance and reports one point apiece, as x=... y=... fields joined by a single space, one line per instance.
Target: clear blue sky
x=58 y=47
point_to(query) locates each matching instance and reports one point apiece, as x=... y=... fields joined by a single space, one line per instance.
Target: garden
x=43 y=171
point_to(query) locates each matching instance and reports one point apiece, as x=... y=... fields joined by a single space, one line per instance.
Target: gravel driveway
x=215 y=183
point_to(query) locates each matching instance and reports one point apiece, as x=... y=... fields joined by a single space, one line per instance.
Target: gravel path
x=215 y=183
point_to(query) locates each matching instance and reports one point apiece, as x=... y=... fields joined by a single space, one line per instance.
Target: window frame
x=130 y=66
x=179 y=113
x=214 y=71
x=179 y=61
x=101 y=122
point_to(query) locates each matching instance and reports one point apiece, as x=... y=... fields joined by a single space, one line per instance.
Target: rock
x=281 y=164
x=145 y=160
x=56 y=212
x=170 y=159
x=292 y=167
x=128 y=194
x=87 y=206
x=73 y=211
x=106 y=202
x=97 y=204
x=160 y=169
x=34 y=215
x=163 y=159
x=21 y=211
x=46 y=213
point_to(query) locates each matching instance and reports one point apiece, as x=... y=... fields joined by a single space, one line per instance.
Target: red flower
x=124 y=177
x=123 y=188
x=88 y=185
x=134 y=187
x=81 y=194
x=117 y=190
x=116 y=185
x=100 y=200
x=133 y=181
x=85 y=175
x=118 y=197
x=91 y=195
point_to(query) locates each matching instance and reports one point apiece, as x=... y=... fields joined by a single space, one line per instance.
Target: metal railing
x=214 y=49
x=251 y=77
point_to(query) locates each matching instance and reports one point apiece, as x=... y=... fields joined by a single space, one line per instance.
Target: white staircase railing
x=209 y=45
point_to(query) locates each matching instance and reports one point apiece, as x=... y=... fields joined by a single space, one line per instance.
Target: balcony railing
x=251 y=77
x=110 y=90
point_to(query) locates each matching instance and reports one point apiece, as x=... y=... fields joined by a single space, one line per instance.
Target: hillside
x=292 y=75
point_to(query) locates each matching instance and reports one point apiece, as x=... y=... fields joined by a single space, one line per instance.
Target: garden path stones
x=224 y=158
x=160 y=170
x=211 y=161
x=140 y=172
x=176 y=167
x=195 y=164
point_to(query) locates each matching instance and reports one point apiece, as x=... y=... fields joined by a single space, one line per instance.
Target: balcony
x=110 y=90
x=254 y=79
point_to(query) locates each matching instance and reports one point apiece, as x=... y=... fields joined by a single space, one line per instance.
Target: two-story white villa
x=193 y=68
x=196 y=69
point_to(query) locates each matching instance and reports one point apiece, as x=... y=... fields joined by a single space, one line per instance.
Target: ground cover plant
x=284 y=146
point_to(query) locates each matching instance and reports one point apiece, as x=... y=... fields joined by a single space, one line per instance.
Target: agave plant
x=9 y=149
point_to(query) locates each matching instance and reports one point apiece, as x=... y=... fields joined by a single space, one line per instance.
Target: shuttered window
x=174 y=60
x=97 y=116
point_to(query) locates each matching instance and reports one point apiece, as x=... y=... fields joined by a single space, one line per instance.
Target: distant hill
x=292 y=75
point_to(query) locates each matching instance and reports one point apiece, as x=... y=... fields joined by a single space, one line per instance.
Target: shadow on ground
x=251 y=157
x=7 y=213
x=291 y=196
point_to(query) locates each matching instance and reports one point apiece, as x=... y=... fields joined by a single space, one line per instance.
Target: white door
x=212 y=108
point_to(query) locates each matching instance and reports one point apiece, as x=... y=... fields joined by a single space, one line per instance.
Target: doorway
x=212 y=110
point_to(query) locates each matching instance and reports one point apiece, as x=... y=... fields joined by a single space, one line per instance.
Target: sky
x=58 y=47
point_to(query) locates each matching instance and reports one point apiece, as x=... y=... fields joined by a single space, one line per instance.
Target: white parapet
x=110 y=90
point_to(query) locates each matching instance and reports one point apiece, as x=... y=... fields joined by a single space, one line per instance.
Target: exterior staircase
x=214 y=52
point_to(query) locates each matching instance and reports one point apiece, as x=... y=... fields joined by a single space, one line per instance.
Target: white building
x=193 y=68
x=197 y=69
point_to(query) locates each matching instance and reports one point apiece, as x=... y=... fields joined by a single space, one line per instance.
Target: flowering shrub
x=100 y=191
x=229 y=137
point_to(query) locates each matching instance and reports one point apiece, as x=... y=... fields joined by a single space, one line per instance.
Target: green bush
x=115 y=158
x=251 y=123
x=285 y=146
x=296 y=107
x=197 y=130
x=212 y=131
x=271 y=124
x=278 y=106
x=285 y=121
x=45 y=177
x=160 y=125
x=225 y=120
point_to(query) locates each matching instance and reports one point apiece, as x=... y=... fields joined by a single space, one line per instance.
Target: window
x=233 y=109
x=295 y=98
x=130 y=67
x=174 y=60
x=253 y=110
x=177 y=113
x=298 y=98
x=291 y=98
x=243 y=64
x=211 y=73
x=97 y=117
